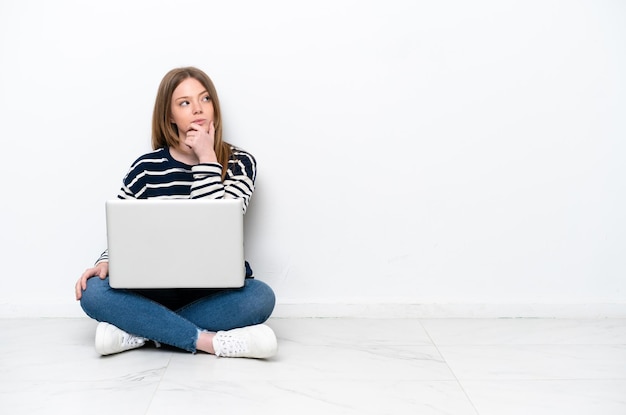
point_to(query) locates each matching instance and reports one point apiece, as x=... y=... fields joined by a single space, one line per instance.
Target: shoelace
x=230 y=345
x=132 y=341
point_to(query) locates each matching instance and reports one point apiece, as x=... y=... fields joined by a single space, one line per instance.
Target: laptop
x=158 y=243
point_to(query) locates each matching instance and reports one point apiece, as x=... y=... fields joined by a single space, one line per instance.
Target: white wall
x=445 y=157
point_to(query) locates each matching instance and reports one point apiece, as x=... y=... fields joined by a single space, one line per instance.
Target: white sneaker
x=110 y=339
x=253 y=341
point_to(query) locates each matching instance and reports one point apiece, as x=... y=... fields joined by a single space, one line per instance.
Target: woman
x=190 y=160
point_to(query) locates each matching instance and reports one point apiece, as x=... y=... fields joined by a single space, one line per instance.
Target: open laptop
x=175 y=243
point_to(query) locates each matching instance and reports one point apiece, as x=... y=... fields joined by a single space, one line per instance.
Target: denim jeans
x=175 y=317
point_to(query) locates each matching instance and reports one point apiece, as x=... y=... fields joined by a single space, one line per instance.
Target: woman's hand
x=202 y=142
x=101 y=270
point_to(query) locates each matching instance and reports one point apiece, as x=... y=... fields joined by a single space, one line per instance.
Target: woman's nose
x=197 y=108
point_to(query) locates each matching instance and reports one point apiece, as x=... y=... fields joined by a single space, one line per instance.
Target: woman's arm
x=239 y=182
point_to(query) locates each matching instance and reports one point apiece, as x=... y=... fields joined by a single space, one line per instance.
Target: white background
x=409 y=152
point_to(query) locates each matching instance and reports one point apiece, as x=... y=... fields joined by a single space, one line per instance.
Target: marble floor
x=328 y=366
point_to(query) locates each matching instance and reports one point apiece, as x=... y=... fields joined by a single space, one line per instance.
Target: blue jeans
x=176 y=316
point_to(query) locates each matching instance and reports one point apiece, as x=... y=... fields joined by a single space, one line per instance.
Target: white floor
x=328 y=366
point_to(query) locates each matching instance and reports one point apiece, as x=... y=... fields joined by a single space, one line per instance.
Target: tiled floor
x=328 y=366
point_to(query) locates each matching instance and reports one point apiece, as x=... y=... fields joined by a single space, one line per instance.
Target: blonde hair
x=165 y=133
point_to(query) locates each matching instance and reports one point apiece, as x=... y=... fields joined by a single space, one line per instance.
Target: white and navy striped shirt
x=157 y=175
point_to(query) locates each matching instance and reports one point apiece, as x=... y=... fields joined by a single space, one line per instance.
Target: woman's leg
x=138 y=315
x=233 y=308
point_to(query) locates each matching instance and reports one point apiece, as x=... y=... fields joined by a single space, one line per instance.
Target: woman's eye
x=206 y=98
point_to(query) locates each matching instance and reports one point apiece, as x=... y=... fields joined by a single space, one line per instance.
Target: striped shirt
x=157 y=175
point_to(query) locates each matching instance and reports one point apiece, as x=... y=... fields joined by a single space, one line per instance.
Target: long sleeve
x=239 y=182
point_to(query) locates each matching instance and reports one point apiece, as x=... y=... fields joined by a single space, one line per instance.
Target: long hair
x=165 y=133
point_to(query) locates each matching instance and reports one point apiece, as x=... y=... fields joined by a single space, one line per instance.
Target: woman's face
x=191 y=103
